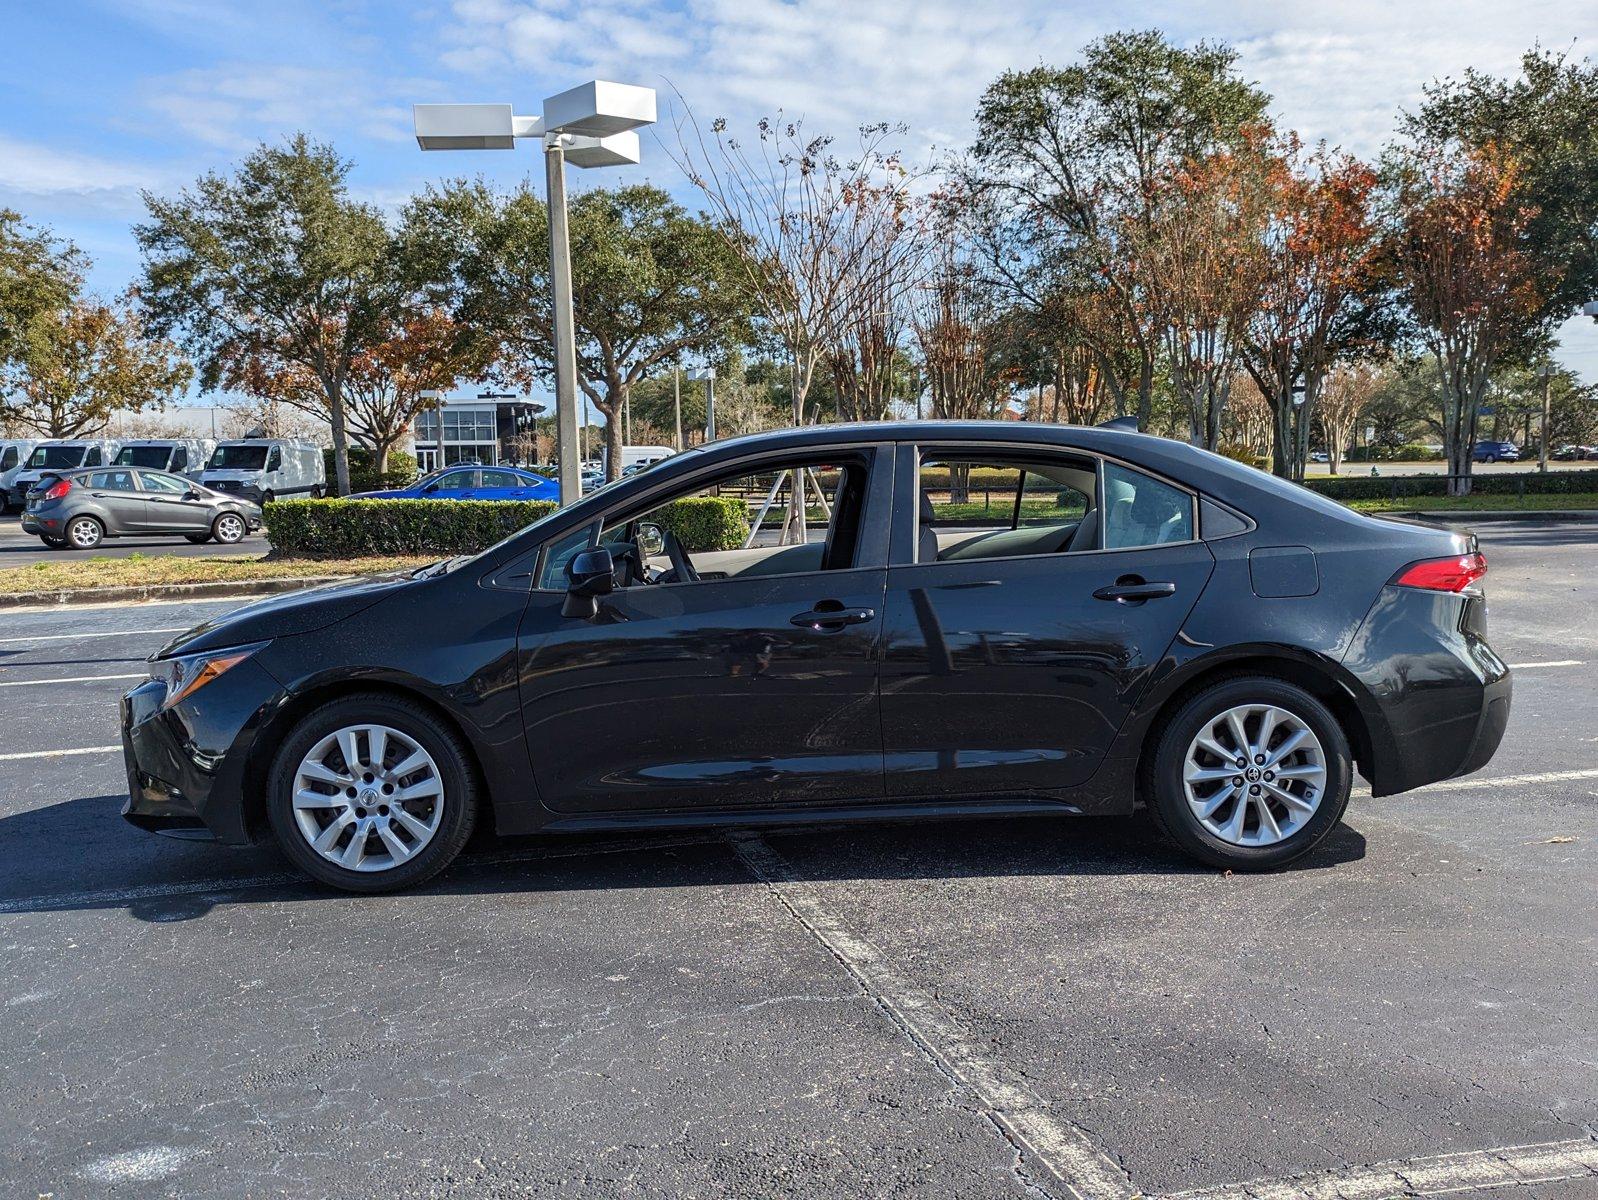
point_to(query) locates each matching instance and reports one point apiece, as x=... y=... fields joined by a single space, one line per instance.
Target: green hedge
x=1497 y=483
x=706 y=522
x=348 y=528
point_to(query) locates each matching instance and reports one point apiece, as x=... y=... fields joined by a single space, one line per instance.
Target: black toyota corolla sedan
x=957 y=619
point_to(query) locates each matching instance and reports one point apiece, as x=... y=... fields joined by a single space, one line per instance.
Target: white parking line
x=73 y=679
x=1477 y=1170
x=1471 y=781
x=58 y=753
x=1559 y=662
x=73 y=637
x=1022 y=1118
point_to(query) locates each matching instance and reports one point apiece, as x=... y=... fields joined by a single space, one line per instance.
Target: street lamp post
x=587 y=126
x=1546 y=373
x=708 y=376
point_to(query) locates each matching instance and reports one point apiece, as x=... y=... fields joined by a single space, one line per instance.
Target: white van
x=642 y=456
x=266 y=469
x=57 y=455
x=13 y=454
x=179 y=456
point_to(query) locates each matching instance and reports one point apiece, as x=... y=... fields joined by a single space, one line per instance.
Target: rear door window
x=113 y=481
x=1140 y=510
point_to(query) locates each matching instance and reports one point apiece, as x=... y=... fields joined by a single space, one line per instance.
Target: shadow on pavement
x=77 y=855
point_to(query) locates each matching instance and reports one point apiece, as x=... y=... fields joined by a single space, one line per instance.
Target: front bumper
x=187 y=765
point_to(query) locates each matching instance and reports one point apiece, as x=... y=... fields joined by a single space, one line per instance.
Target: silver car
x=80 y=509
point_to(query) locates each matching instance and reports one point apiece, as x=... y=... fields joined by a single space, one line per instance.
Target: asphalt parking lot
x=997 y=1008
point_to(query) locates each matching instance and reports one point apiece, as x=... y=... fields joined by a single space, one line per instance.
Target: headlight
x=188 y=673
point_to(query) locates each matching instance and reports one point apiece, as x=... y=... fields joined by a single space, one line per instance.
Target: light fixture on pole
x=590 y=125
x=708 y=376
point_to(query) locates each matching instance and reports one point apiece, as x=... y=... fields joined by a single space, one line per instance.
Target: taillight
x=1443 y=574
x=58 y=489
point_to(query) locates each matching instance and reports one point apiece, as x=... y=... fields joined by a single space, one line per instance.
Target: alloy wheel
x=1254 y=775
x=229 y=528
x=84 y=533
x=368 y=798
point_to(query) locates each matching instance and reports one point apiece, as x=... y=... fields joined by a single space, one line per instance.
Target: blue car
x=473 y=483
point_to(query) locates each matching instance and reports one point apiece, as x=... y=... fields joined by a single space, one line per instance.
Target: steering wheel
x=681 y=566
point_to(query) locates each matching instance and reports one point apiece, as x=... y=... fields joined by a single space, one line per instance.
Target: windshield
x=238 y=458
x=143 y=456
x=57 y=457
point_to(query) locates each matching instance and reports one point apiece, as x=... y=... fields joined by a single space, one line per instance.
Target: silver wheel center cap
x=1252 y=774
x=368 y=797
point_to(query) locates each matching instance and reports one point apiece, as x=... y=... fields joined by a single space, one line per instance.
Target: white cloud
x=34 y=175
x=235 y=106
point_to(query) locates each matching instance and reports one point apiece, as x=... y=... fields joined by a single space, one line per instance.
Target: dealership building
x=486 y=429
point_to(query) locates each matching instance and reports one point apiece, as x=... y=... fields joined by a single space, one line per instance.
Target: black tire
x=53 y=543
x=1163 y=782
x=316 y=493
x=229 y=529
x=91 y=533
x=268 y=497
x=199 y=539
x=456 y=774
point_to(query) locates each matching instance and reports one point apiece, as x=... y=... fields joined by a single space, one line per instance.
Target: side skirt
x=863 y=813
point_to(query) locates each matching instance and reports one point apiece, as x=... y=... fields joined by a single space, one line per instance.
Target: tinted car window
x=502 y=479
x=1141 y=511
x=8 y=458
x=113 y=481
x=142 y=456
x=163 y=483
x=57 y=457
x=453 y=481
x=238 y=458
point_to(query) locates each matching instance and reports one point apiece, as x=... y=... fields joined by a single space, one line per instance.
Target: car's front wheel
x=372 y=793
x=228 y=529
x=1249 y=774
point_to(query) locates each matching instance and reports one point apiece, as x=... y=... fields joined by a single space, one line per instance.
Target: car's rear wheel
x=228 y=528
x=85 y=533
x=372 y=793
x=54 y=543
x=1250 y=774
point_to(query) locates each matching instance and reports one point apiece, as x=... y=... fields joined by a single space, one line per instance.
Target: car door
x=172 y=505
x=1011 y=674
x=500 y=485
x=452 y=485
x=116 y=496
x=745 y=691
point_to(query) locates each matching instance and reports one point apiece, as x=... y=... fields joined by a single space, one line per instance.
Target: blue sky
x=101 y=98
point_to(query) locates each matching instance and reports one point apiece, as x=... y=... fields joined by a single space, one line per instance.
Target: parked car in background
x=1572 y=453
x=1491 y=452
x=56 y=457
x=1320 y=456
x=82 y=508
x=181 y=456
x=473 y=483
x=266 y=469
x=1140 y=622
x=14 y=454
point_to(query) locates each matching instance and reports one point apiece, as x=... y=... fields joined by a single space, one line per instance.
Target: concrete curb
x=218 y=590
x=1585 y=515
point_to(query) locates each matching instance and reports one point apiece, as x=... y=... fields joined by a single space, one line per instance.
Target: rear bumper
x=1441 y=695
x=186 y=764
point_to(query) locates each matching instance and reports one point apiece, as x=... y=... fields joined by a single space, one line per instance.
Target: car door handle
x=832 y=618
x=1127 y=591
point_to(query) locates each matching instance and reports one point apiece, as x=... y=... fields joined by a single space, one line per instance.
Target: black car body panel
x=999 y=684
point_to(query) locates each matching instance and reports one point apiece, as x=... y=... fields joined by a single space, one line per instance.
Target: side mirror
x=651 y=540
x=589 y=575
x=191 y=494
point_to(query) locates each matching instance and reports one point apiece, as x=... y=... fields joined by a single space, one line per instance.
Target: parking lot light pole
x=591 y=125
x=1546 y=373
x=707 y=375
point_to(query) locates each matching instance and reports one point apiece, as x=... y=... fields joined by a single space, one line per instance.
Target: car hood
x=289 y=614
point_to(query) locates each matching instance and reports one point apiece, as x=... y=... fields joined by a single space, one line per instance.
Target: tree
x=1069 y=158
x=275 y=265
x=40 y=278
x=1464 y=264
x=1545 y=121
x=87 y=361
x=1316 y=301
x=650 y=283
x=819 y=240
x=1349 y=390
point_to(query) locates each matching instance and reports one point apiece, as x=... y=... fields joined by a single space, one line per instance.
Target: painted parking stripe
x=58 y=753
x=1021 y=1117
x=74 y=637
x=73 y=679
x=1560 y=662
x=1471 y=781
x=1453 y=1174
